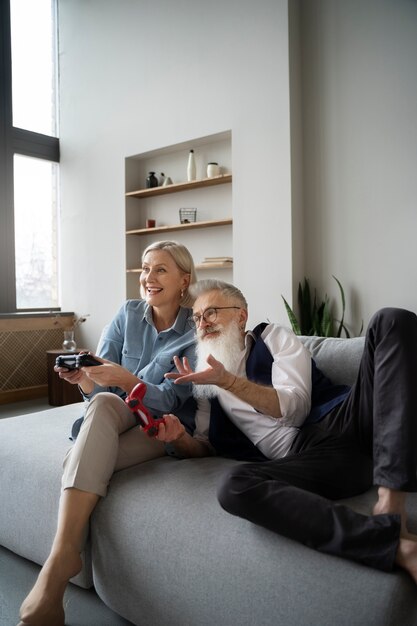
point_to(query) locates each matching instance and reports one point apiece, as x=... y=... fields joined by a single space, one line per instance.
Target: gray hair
x=182 y=258
x=226 y=289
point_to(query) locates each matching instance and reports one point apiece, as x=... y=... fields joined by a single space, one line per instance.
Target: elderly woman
x=138 y=345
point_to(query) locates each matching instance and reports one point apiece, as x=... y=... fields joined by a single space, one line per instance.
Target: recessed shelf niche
x=210 y=235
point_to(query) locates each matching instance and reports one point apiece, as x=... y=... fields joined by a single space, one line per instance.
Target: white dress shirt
x=291 y=378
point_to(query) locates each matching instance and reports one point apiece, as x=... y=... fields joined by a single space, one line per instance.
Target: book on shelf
x=215 y=262
x=213 y=265
x=218 y=259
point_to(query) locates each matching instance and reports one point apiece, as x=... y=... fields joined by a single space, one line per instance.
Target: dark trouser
x=371 y=438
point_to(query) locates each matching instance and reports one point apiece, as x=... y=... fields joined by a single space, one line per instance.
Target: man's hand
x=172 y=430
x=262 y=398
x=215 y=374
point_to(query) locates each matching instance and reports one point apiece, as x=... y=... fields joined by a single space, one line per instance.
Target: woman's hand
x=110 y=375
x=107 y=374
x=74 y=377
x=172 y=430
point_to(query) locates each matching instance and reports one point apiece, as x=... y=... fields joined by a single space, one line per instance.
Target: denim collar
x=179 y=324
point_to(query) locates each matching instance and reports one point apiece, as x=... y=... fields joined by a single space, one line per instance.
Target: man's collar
x=249 y=337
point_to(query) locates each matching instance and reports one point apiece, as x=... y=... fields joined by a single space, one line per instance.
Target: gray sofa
x=162 y=552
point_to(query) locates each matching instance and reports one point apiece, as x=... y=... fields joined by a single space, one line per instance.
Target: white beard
x=225 y=348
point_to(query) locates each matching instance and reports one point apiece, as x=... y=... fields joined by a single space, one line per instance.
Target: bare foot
x=44 y=604
x=391 y=501
x=406 y=556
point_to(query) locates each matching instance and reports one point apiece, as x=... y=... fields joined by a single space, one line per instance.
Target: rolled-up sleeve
x=291 y=373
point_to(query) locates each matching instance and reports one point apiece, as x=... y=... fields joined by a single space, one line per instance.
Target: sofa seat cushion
x=165 y=553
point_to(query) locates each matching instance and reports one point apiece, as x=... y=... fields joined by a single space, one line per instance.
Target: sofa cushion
x=338 y=358
x=165 y=553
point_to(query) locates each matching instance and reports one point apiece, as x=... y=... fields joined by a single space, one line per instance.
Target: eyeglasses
x=209 y=315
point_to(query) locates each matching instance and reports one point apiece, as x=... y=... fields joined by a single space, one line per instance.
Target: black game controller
x=87 y=360
x=75 y=361
x=67 y=360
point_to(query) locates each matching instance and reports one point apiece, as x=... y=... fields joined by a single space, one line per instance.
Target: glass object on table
x=69 y=344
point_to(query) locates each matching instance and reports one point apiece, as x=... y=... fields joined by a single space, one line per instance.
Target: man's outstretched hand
x=215 y=374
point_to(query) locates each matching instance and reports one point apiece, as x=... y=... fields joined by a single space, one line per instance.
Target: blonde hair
x=226 y=289
x=183 y=260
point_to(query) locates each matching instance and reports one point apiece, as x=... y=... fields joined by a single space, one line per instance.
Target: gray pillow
x=337 y=358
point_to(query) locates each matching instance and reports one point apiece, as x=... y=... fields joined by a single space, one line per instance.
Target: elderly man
x=261 y=398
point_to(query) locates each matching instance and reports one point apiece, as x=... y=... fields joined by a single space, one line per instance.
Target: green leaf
x=341 y=322
x=304 y=303
x=291 y=316
x=327 y=320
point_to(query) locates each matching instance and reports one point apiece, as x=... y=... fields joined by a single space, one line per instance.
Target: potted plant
x=316 y=316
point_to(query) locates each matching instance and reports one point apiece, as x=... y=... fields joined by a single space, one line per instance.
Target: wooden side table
x=59 y=391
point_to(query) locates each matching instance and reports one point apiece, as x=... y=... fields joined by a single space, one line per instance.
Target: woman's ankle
x=63 y=563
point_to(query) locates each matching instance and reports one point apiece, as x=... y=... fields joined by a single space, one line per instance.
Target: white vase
x=213 y=169
x=191 y=169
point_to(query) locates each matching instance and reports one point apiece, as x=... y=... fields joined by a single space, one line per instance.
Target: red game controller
x=149 y=424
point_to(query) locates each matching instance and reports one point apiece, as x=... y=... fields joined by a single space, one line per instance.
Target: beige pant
x=109 y=440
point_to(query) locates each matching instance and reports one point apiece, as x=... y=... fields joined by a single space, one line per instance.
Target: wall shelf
x=201 y=266
x=190 y=226
x=176 y=187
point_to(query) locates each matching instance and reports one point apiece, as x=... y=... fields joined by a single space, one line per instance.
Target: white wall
x=137 y=76
x=359 y=80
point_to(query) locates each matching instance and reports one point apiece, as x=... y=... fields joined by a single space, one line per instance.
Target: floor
x=24 y=406
x=82 y=606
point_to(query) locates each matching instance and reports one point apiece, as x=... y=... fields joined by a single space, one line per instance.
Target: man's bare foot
x=406 y=556
x=44 y=604
x=391 y=501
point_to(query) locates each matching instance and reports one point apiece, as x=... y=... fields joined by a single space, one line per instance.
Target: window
x=35 y=225
x=33 y=45
x=29 y=156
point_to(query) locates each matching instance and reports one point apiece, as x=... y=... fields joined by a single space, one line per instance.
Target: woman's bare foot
x=44 y=604
x=406 y=556
x=392 y=502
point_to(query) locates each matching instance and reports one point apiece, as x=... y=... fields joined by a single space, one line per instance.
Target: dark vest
x=229 y=441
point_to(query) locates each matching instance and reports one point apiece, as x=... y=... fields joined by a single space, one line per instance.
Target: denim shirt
x=131 y=340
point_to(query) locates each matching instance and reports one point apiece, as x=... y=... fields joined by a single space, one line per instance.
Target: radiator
x=23 y=345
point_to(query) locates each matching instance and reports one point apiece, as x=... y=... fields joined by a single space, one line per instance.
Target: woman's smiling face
x=162 y=280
